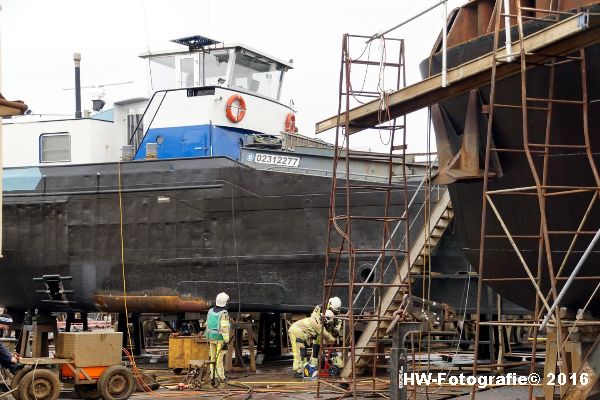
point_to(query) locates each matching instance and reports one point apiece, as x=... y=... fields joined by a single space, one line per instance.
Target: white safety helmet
x=329 y=316
x=222 y=299
x=335 y=304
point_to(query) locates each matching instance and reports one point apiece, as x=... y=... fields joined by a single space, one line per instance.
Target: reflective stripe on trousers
x=216 y=358
x=297 y=350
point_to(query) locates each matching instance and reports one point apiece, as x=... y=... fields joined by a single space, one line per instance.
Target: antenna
x=97 y=98
x=101 y=85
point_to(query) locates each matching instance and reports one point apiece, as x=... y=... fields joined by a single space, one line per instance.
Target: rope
x=122 y=238
x=2 y=395
x=33 y=378
x=136 y=371
x=235 y=254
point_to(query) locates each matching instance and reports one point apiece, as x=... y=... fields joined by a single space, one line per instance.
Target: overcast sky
x=39 y=38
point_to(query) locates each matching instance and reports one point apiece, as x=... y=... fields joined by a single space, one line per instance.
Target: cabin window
x=214 y=67
x=55 y=147
x=257 y=74
x=186 y=72
x=162 y=70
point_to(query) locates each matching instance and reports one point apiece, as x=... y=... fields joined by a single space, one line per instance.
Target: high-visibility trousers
x=299 y=352
x=216 y=352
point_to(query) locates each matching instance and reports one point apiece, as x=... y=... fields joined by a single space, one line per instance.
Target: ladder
x=387 y=199
x=423 y=243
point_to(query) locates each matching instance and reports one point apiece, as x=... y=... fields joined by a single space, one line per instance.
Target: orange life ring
x=290 y=123
x=235 y=118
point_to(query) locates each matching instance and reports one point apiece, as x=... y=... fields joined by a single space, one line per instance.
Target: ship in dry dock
x=215 y=190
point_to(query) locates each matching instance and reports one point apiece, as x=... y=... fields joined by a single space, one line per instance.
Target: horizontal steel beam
x=559 y=39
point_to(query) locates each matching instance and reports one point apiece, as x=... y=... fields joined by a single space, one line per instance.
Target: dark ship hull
x=567 y=167
x=191 y=229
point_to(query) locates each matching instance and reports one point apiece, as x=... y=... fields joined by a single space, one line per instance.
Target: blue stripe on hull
x=21 y=179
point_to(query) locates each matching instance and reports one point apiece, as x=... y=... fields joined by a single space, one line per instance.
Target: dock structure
x=571 y=346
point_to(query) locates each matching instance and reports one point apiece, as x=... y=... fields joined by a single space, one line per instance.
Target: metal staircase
x=422 y=245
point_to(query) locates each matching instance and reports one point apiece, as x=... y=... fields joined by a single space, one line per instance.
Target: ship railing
x=340 y=175
x=436 y=190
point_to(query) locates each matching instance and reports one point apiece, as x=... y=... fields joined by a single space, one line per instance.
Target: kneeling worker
x=335 y=305
x=217 y=333
x=301 y=331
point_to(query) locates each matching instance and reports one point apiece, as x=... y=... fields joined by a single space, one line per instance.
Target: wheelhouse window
x=214 y=68
x=162 y=70
x=227 y=67
x=257 y=74
x=55 y=147
x=186 y=72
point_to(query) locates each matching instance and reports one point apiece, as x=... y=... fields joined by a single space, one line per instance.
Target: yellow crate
x=182 y=349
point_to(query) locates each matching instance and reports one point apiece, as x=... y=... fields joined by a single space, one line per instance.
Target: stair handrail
x=379 y=258
x=135 y=139
x=434 y=187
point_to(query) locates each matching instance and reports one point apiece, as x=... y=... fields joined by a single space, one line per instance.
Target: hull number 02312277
x=273 y=159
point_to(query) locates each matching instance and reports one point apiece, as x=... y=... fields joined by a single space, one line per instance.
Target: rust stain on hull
x=141 y=303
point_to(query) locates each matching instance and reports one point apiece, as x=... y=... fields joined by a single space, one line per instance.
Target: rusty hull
x=153 y=303
x=476 y=18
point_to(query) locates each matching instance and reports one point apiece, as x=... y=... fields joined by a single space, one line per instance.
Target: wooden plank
x=561 y=38
x=44 y=361
x=590 y=369
x=549 y=366
x=8 y=107
x=9 y=111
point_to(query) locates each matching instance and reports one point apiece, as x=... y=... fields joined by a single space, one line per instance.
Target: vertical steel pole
x=77 y=61
x=534 y=172
x=326 y=287
x=508 y=39
x=488 y=149
x=444 y=46
x=538 y=305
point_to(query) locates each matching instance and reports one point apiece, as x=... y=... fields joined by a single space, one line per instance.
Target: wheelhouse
x=210 y=63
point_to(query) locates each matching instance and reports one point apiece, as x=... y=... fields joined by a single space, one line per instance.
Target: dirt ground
x=275 y=381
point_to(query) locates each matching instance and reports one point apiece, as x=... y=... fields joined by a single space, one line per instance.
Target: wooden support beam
x=8 y=108
x=590 y=370
x=561 y=38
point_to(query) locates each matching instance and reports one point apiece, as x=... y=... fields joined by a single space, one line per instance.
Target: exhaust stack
x=77 y=60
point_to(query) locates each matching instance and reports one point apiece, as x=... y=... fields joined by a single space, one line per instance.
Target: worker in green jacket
x=217 y=333
x=303 y=330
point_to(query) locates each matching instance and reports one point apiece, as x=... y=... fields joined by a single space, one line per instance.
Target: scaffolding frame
x=546 y=303
x=342 y=219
